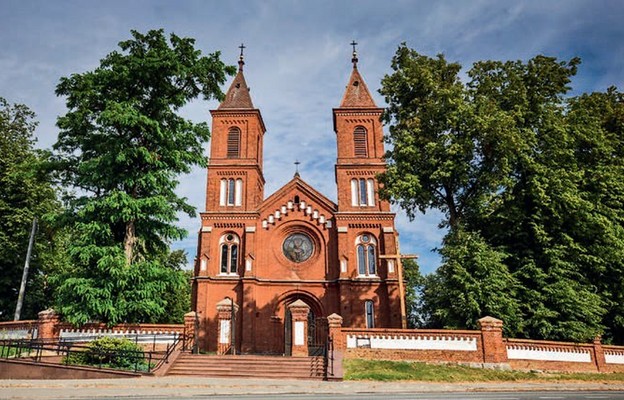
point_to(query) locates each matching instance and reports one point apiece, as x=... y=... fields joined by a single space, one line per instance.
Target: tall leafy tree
x=508 y=160
x=472 y=282
x=25 y=193
x=542 y=205
x=452 y=151
x=121 y=146
x=596 y=121
x=413 y=285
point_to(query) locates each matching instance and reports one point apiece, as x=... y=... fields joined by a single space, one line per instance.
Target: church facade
x=263 y=256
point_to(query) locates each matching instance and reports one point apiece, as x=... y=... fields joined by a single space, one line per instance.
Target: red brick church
x=280 y=265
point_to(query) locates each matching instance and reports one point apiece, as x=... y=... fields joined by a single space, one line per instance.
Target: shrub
x=110 y=353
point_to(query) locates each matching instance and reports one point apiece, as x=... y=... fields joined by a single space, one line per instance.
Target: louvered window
x=233 y=143
x=360 y=142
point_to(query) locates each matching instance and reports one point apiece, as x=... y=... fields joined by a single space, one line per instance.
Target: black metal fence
x=74 y=353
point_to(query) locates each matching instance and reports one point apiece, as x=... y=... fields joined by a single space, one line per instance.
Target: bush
x=110 y=353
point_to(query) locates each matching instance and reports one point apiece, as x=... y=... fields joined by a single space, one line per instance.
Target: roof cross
x=354 y=43
x=297 y=167
x=241 y=60
x=354 y=59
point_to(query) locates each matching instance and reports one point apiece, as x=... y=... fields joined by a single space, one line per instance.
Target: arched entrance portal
x=317 y=328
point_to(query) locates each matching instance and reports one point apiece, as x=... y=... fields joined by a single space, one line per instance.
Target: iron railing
x=144 y=361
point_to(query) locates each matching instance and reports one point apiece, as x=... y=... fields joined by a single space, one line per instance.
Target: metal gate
x=288 y=334
x=318 y=332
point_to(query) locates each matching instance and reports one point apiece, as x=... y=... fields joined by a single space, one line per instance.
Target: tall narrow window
x=362 y=192
x=223 y=192
x=360 y=142
x=238 y=195
x=231 y=192
x=366 y=248
x=229 y=254
x=233 y=143
x=369 y=308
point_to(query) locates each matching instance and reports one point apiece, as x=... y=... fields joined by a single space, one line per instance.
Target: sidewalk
x=173 y=386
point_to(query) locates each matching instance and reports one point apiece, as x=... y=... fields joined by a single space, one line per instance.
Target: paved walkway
x=172 y=386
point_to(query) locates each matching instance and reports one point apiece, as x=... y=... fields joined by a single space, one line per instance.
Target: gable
x=297 y=196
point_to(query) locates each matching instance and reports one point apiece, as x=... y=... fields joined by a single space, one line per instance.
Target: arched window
x=369 y=310
x=233 y=143
x=360 y=142
x=229 y=254
x=366 y=248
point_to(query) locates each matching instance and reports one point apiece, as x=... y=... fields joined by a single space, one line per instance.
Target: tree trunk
x=129 y=241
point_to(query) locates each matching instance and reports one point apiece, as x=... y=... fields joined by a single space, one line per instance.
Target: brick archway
x=281 y=311
x=291 y=296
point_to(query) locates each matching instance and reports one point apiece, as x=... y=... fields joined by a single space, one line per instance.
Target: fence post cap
x=488 y=322
x=45 y=314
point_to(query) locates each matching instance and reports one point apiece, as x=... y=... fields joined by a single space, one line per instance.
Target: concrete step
x=249 y=366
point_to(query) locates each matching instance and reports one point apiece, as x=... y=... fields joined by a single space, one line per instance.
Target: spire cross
x=354 y=43
x=354 y=60
x=241 y=61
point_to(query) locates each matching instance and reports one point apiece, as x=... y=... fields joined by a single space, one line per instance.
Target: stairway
x=247 y=366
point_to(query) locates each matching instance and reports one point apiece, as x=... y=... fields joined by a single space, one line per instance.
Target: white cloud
x=298 y=62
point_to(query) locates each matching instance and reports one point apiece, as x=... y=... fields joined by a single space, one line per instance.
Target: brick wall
x=485 y=346
x=410 y=344
x=49 y=327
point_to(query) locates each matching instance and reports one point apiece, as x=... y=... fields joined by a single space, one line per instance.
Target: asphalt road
x=401 y=396
x=197 y=388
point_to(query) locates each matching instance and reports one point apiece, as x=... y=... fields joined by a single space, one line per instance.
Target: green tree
x=121 y=146
x=178 y=295
x=504 y=158
x=596 y=121
x=413 y=281
x=25 y=193
x=472 y=282
x=542 y=210
x=449 y=151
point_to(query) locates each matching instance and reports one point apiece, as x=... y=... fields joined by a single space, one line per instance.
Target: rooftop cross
x=297 y=168
x=241 y=61
x=354 y=60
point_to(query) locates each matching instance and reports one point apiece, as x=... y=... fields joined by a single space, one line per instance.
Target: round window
x=298 y=247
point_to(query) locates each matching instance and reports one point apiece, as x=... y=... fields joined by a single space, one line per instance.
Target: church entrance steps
x=249 y=366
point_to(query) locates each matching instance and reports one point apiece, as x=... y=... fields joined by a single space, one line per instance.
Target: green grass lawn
x=418 y=371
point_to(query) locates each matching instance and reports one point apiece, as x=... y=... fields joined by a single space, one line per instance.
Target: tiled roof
x=357 y=95
x=237 y=96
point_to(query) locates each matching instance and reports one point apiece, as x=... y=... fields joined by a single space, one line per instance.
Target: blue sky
x=298 y=63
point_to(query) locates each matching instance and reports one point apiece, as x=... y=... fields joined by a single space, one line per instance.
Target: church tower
x=235 y=179
x=359 y=137
x=367 y=240
x=234 y=191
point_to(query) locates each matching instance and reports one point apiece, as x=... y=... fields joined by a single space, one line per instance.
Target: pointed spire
x=356 y=95
x=237 y=96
